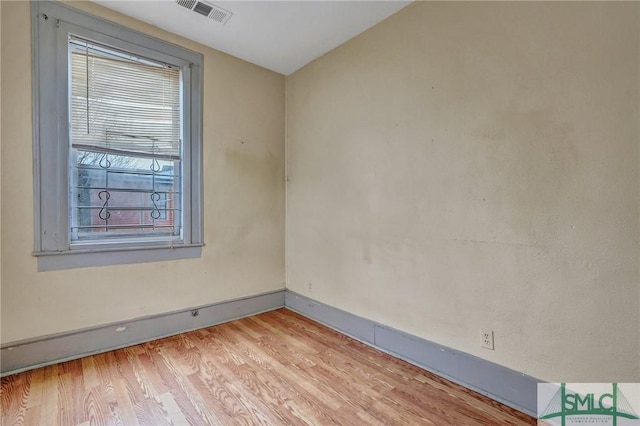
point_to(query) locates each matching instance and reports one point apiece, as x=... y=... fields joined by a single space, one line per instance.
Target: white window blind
x=123 y=104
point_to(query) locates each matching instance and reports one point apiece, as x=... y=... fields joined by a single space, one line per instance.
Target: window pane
x=125 y=179
x=118 y=196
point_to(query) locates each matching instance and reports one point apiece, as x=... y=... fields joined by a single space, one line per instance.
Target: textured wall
x=467 y=165
x=243 y=200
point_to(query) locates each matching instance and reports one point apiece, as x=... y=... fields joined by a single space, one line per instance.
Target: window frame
x=52 y=23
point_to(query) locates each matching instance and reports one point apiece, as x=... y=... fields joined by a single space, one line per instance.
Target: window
x=117 y=143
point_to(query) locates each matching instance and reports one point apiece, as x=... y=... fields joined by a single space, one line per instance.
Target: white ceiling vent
x=209 y=10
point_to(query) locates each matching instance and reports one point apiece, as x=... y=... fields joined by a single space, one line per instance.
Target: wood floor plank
x=94 y=408
x=49 y=399
x=172 y=410
x=189 y=398
x=65 y=414
x=244 y=382
x=15 y=395
x=36 y=388
x=114 y=415
x=276 y=368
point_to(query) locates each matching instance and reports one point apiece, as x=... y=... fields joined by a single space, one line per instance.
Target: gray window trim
x=51 y=24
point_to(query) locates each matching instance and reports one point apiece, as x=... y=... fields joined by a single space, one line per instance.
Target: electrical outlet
x=487 y=338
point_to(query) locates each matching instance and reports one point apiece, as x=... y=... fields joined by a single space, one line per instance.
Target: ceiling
x=282 y=36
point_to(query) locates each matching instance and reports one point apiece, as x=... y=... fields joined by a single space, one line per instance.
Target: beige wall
x=467 y=165
x=459 y=165
x=243 y=201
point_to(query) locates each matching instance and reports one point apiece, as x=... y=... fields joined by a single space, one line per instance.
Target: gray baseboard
x=502 y=384
x=32 y=353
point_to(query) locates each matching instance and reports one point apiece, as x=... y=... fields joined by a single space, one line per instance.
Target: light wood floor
x=275 y=368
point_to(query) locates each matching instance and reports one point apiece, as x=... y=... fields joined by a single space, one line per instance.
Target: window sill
x=53 y=261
